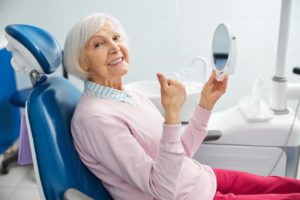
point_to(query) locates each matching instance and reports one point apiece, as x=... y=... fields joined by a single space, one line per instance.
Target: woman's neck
x=116 y=84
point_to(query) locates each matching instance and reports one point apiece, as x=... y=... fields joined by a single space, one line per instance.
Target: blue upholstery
x=50 y=106
x=19 y=97
x=9 y=115
x=40 y=43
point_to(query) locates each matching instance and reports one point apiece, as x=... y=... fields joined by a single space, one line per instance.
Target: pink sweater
x=139 y=157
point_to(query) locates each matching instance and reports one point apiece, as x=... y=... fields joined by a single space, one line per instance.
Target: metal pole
x=284 y=29
x=278 y=98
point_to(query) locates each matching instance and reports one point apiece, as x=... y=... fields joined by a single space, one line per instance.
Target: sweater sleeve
x=195 y=131
x=111 y=143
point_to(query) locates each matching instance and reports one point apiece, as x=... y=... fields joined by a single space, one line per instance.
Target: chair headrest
x=32 y=49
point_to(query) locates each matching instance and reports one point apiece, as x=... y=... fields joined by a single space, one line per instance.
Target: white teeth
x=116 y=61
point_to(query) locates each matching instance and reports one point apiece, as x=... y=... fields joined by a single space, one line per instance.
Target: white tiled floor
x=18 y=184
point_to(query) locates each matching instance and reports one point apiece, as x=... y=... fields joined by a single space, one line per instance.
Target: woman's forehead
x=107 y=29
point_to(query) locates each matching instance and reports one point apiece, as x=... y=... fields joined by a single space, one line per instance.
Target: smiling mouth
x=116 y=62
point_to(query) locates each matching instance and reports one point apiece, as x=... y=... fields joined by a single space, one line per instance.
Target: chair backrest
x=49 y=111
x=9 y=114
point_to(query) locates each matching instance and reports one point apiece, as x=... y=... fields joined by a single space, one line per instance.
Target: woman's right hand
x=173 y=96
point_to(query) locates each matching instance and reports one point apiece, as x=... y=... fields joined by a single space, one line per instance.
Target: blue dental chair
x=9 y=114
x=59 y=172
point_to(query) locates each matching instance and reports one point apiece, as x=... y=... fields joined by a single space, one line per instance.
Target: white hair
x=78 y=37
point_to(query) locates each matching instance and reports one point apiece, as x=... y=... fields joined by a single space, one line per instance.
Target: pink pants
x=235 y=185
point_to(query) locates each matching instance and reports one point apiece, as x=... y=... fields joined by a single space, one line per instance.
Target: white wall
x=166 y=35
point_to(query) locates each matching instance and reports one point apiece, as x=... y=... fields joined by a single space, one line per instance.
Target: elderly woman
x=123 y=139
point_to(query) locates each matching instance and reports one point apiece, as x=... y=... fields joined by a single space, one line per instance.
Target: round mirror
x=223 y=51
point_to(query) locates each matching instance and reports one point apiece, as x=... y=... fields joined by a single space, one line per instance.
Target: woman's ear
x=83 y=64
x=84 y=67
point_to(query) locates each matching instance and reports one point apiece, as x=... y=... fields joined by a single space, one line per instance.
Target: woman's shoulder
x=91 y=107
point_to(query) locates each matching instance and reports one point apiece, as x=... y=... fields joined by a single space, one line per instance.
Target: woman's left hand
x=212 y=91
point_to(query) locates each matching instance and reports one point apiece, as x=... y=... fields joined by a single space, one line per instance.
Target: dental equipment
x=206 y=70
x=281 y=91
x=59 y=172
x=269 y=147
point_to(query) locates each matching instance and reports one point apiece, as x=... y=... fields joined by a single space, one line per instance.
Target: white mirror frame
x=230 y=63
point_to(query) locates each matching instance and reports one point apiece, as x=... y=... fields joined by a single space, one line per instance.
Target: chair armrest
x=73 y=194
x=213 y=135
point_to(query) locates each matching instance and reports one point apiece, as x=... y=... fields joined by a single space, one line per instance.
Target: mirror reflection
x=221 y=47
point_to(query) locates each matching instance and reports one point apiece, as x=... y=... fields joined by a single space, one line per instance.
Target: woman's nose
x=114 y=47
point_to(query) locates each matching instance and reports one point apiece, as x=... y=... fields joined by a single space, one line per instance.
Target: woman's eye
x=98 y=45
x=117 y=37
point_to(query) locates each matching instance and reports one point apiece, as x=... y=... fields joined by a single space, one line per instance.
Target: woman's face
x=106 y=56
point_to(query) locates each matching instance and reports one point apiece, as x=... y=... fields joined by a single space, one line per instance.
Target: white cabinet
x=258 y=160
